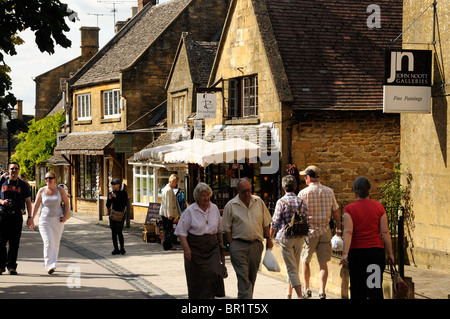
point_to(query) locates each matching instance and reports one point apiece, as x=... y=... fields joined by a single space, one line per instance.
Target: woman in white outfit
x=51 y=218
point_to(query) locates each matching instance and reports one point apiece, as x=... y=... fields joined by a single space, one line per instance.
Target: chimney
x=119 y=25
x=89 y=42
x=143 y=3
x=19 y=106
x=134 y=10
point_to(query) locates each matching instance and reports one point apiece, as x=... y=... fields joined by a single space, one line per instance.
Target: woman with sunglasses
x=51 y=219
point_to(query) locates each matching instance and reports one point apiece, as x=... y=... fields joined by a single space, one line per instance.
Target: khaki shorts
x=321 y=245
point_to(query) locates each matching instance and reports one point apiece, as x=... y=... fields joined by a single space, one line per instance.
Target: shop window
x=178 y=109
x=146 y=180
x=87 y=177
x=143 y=184
x=83 y=106
x=111 y=103
x=243 y=97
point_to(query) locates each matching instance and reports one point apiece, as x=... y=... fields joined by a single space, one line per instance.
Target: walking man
x=14 y=194
x=169 y=211
x=321 y=204
x=246 y=222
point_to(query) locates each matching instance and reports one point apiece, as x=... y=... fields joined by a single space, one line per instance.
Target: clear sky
x=30 y=62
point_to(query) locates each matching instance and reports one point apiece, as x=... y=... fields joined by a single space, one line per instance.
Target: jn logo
x=74 y=279
x=396 y=63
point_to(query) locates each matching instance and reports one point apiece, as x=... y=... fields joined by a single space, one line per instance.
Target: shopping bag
x=270 y=262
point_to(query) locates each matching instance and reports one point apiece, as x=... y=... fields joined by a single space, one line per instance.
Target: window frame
x=83 y=106
x=178 y=109
x=243 y=97
x=111 y=102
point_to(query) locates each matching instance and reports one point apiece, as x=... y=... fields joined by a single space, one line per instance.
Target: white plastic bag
x=270 y=262
x=337 y=243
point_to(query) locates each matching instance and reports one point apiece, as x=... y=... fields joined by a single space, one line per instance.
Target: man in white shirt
x=169 y=211
x=246 y=222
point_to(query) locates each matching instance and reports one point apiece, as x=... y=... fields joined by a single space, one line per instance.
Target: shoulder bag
x=63 y=205
x=298 y=225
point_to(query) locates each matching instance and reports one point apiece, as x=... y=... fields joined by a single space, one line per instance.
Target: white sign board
x=407 y=86
x=206 y=105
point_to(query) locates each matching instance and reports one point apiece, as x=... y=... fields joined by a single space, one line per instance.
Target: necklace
x=205 y=214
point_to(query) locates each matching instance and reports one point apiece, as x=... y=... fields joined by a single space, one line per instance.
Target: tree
x=46 y=18
x=38 y=143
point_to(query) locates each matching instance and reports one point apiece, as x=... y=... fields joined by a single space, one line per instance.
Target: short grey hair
x=201 y=188
x=361 y=187
x=289 y=183
x=242 y=179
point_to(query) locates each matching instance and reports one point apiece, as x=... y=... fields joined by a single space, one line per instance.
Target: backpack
x=299 y=224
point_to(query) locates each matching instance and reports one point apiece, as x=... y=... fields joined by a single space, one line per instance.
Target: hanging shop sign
x=206 y=105
x=407 y=81
x=123 y=143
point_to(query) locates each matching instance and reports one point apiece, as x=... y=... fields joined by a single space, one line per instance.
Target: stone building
x=425 y=140
x=51 y=84
x=116 y=96
x=314 y=71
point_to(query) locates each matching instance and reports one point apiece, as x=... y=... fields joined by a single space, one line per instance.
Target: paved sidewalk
x=145 y=271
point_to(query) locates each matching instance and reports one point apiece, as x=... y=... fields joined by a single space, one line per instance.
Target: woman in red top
x=364 y=220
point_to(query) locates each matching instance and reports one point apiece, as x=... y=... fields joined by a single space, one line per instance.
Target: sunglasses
x=14 y=168
x=49 y=178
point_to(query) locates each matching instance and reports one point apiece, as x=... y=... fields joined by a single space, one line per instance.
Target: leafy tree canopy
x=38 y=143
x=46 y=18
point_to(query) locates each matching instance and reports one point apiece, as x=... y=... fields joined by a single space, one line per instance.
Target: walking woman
x=117 y=203
x=200 y=236
x=51 y=219
x=364 y=221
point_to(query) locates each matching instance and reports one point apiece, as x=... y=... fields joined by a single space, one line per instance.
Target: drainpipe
x=289 y=136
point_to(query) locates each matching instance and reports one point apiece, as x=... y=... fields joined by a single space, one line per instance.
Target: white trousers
x=51 y=230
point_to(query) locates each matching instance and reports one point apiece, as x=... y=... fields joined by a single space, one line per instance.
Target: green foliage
x=38 y=143
x=46 y=18
x=392 y=193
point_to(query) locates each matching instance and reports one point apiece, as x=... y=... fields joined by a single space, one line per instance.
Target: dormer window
x=243 y=97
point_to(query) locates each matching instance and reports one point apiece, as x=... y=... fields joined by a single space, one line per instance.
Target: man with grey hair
x=169 y=211
x=246 y=222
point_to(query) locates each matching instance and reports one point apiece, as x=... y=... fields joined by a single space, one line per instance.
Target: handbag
x=63 y=206
x=400 y=286
x=116 y=215
x=298 y=225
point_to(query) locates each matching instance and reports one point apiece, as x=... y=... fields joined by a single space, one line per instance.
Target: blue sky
x=30 y=62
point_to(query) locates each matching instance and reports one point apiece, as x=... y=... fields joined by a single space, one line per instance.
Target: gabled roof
x=200 y=58
x=322 y=54
x=122 y=51
x=332 y=58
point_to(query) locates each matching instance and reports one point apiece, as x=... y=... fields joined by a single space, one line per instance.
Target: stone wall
x=425 y=142
x=345 y=145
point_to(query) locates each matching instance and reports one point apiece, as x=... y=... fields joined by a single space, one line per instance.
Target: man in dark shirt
x=14 y=194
